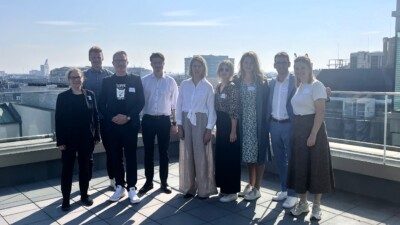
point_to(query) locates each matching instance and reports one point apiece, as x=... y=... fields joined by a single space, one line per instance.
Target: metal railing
x=360 y=122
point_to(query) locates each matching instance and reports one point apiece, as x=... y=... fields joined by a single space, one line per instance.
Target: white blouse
x=196 y=99
x=306 y=94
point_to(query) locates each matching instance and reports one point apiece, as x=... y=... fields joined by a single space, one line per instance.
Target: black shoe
x=87 y=201
x=146 y=187
x=65 y=206
x=166 y=189
x=202 y=198
x=188 y=196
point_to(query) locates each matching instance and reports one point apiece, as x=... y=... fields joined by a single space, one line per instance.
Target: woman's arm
x=319 y=118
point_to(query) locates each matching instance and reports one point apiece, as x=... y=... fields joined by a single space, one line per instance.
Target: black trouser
x=105 y=139
x=152 y=126
x=85 y=151
x=123 y=141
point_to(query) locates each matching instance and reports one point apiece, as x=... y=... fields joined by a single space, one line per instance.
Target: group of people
x=248 y=111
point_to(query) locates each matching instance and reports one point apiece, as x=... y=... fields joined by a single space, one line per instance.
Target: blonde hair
x=306 y=60
x=227 y=63
x=257 y=71
x=68 y=73
x=200 y=59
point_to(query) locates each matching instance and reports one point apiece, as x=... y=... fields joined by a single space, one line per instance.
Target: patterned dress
x=249 y=123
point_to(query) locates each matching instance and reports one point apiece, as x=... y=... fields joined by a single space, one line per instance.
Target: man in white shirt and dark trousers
x=280 y=116
x=161 y=93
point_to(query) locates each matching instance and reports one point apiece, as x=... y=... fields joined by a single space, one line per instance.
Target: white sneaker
x=133 y=196
x=246 y=190
x=253 y=195
x=300 y=208
x=112 y=184
x=118 y=194
x=290 y=202
x=280 y=196
x=228 y=198
x=316 y=212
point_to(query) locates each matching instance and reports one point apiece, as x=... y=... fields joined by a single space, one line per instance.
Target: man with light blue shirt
x=93 y=81
x=280 y=116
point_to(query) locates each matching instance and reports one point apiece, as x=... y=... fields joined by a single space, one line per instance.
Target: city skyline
x=62 y=32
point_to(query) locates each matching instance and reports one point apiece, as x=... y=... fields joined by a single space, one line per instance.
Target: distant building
x=45 y=69
x=366 y=60
x=35 y=72
x=212 y=63
x=389 y=48
x=3 y=73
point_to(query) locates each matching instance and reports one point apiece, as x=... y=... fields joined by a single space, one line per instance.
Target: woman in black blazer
x=77 y=131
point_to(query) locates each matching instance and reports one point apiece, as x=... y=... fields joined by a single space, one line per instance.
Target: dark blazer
x=134 y=99
x=291 y=92
x=262 y=90
x=63 y=118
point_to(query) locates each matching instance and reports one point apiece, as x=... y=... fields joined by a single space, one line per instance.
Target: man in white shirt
x=280 y=117
x=161 y=93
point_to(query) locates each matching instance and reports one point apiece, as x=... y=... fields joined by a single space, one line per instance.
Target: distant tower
x=396 y=14
x=45 y=69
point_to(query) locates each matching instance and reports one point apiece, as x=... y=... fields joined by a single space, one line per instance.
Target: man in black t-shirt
x=121 y=101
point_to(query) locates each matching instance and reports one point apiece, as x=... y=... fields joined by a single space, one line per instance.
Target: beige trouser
x=196 y=163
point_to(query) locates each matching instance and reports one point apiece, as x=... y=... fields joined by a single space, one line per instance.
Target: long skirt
x=227 y=156
x=196 y=163
x=310 y=168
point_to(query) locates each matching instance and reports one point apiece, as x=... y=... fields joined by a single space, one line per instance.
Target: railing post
x=385 y=122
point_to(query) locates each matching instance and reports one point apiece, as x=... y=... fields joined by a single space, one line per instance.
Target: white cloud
x=179 y=13
x=83 y=29
x=60 y=23
x=201 y=23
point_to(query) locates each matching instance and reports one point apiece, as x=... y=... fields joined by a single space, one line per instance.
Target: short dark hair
x=120 y=52
x=95 y=49
x=157 y=55
x=282 y=54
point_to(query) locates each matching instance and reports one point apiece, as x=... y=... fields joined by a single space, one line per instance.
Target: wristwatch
x=128 y=117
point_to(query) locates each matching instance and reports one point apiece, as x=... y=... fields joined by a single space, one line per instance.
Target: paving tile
x=234 y=206
x=344 y=220
x=159 y=211
x=8 y=192
x=81 y=217
x=209 y=213
x=146 y=201
x=395 y=220
x=14 y=200
x=106 y=209
x=260 y=213
x=27 y=217
x=18 y=209
x=167 y=197
x=55 y=212
x=181 y=219
x=46 y=222
x=232 y=219
x=185 y=204
x=3 y=221
x=128 y=217
x=370 y=215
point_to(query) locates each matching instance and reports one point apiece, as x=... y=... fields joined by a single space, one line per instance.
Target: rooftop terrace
x=39 y=203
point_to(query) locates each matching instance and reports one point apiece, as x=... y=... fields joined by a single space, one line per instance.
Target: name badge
x=89 y=97
x=251 y=88
x=132 y=90
x=223 y=95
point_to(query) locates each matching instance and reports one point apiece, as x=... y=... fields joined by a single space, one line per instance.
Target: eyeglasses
x=75 y=77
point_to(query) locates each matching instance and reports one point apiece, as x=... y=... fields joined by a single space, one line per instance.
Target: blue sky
x=63 y=31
